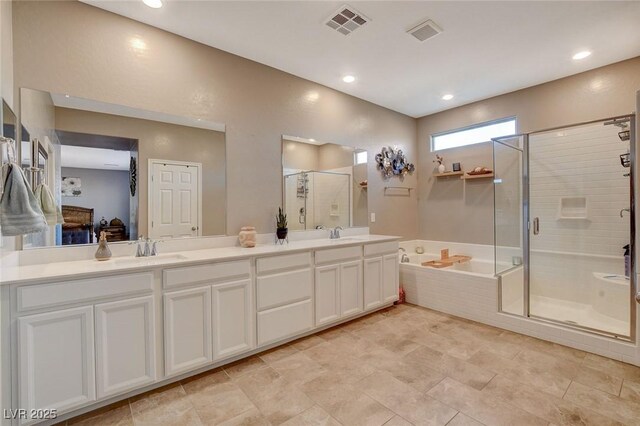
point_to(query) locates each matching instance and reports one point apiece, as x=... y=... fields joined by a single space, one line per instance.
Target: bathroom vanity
x=78 y=335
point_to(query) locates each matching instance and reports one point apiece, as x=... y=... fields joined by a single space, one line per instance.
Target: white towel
x=20 y=212
x=51 y=210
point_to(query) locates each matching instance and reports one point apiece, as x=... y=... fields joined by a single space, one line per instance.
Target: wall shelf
x=447 y=174
x=471 y=177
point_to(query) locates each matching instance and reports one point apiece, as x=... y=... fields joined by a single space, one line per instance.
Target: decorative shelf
x=363 y=186
x=484 y=176
x=447 y=174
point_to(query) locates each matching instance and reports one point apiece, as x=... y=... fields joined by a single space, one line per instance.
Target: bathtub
x=468 y=290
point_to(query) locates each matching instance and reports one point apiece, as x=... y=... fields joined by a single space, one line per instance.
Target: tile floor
x=401 y=366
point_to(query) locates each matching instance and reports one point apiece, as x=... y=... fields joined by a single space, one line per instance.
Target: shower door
x=578 y=180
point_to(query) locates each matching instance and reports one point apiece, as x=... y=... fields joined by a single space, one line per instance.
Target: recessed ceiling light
x=581 y=55
x=66 y=96
x=156 y=4
x=348 y=79
x=447 y=97
x=312 y=140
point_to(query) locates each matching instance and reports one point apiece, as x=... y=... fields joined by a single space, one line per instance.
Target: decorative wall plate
x=392 y=162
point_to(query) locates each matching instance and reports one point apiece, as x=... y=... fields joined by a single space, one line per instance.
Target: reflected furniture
x=78 y=225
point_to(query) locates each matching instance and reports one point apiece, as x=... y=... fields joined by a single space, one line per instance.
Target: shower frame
x=634 y=293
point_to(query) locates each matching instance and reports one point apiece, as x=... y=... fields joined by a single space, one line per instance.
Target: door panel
x=188 y=329
x=125 y=345
x=351 y=288
x=390 y=286
x=372 y=282
x=233 y=319
x=327 y=294
x=174 y=200
x=56 y=360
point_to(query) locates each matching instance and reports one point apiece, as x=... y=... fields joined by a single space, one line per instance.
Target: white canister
x=247 y=236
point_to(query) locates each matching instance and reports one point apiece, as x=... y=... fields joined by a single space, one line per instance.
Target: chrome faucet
x=404 y=258
x=146 y=247
x=335 y=233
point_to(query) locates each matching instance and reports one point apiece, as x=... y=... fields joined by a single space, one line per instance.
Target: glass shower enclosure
x=564 y=225
x=313 y=199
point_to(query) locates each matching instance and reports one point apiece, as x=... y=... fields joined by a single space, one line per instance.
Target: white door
x=125 y=345
x=187 y=329
x=390 y=278
x=233 y=319
x=56 y=360
x=351 y=288
x=327 y=294
x=175 y=199
x=372 y=282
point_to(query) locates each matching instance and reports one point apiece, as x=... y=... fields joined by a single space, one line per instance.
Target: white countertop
x=83 y=268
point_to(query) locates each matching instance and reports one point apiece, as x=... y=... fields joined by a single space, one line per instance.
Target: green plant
x=281 y=219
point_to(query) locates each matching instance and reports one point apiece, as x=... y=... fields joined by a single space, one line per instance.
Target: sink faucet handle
x=154 y=247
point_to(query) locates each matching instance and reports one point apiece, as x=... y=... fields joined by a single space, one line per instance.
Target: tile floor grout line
x=566 y=390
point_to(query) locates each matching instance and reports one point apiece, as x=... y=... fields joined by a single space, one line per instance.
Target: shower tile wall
x=579 y=162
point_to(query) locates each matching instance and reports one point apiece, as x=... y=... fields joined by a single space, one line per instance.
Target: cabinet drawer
x=287 y=287
x=285 y=321
x=380 y=248
x=338 y=254
x=177 y=277
x=62 y=293
x=278 y=263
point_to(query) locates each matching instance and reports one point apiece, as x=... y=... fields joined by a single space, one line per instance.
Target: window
x=481 y=133
x=360 y=157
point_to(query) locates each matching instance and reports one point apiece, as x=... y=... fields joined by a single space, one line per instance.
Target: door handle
x=194 y=228
x=536 y=225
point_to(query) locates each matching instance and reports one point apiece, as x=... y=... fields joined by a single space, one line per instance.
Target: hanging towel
x=51 y=210
x=20 y=212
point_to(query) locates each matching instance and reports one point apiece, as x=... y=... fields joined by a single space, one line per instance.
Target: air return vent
x=346 y=20
x=425 y=30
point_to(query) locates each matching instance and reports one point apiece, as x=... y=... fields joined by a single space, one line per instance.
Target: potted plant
x=281 y=225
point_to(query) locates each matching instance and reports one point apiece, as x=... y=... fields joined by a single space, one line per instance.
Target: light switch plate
x=373 y=217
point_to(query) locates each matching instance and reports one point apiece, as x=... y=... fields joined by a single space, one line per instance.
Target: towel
x=52 y=212
x=20 y=212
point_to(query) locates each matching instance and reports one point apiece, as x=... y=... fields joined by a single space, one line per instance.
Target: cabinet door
x=390 y=280
x=351 y=288
x=327 y=294
x=372 y=283
x=125 y=345
x=187 y=330
x=233 y=319
x=56 y=360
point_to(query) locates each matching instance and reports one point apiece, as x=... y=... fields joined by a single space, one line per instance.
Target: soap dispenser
x=103 y=252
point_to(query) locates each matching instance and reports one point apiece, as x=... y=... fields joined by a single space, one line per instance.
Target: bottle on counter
x=103 y=252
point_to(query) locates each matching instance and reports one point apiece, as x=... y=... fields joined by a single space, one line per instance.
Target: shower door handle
x=536 y=225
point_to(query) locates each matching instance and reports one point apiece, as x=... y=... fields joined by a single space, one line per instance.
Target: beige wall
x=88 y=53
x=299 y=156
x=453 y=210
x=165 y=142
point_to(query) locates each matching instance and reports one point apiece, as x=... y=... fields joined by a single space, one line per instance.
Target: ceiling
x=486 y=48
x=83 y=157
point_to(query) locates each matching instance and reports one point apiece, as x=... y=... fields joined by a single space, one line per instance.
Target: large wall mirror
x=125 y=171
x=324 y=184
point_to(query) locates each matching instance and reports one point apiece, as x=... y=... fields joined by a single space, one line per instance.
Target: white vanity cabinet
x=381 y=274
x=284 y=288
x=338 y=284
x=72 y=350
x=210 y=317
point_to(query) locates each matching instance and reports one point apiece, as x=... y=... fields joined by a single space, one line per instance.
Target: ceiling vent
x=346 y=20
x=425 y=30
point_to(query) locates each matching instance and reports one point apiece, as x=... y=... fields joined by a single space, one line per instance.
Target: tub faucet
x=405 y=258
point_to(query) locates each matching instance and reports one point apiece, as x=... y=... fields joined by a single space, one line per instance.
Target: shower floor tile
x=352 y=375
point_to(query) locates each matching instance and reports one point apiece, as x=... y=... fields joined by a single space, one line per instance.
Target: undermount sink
x=149 y=259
